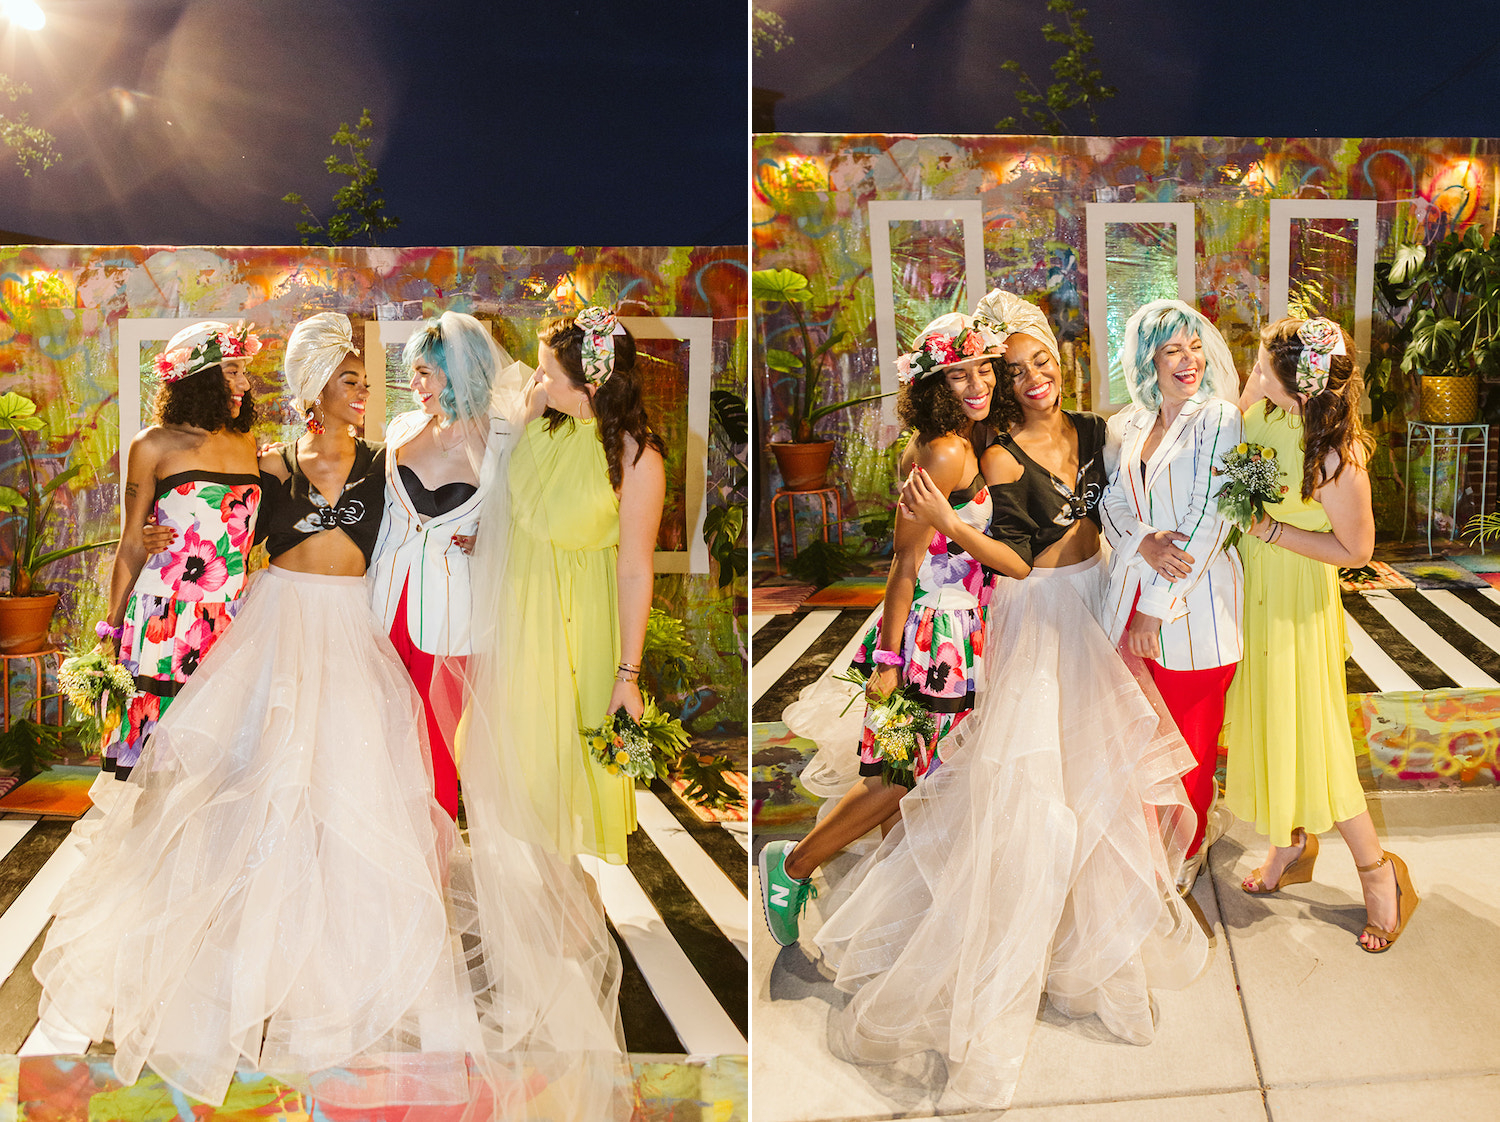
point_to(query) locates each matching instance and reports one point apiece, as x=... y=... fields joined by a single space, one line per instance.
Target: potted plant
x=1445 y=302
x=803 y=459
x=26 y=610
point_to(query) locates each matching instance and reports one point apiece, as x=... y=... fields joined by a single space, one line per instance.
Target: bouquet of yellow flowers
x=99 y=688
x=1253 y=480
x=643 y=749
x=901 y=725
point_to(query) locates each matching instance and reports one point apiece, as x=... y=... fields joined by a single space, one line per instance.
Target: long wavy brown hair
x=1330 y=417
x=617 y=402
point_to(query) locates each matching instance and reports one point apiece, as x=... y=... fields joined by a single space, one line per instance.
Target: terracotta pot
x=804 y=467
x=1450 y=400
x=25 y=622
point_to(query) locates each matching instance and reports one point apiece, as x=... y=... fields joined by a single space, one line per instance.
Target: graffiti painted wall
x=811 y=212
x=62 y=307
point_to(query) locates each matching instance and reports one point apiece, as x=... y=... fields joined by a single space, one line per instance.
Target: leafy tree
x=1075 y=81
x=768 y=32
x=360 y=204
x=31 y=144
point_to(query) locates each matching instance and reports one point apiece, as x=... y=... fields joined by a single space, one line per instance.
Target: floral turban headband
x=949 y=340
x=200 y=346
x=1321 y=340
x=599 y=327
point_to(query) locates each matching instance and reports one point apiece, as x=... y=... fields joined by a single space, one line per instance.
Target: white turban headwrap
x=314 y=351
x=1007 y=314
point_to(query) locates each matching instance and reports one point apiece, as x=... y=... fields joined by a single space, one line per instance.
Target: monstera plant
x=1445 y=302
x=803 y=458
x=26 y=610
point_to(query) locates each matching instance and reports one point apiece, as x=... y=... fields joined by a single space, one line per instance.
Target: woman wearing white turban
x=277 y=883
x=1042 y=854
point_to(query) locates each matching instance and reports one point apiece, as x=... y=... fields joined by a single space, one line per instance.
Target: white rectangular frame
x=969 y=213
x=696 y=331
x=1361 y=212
x=1098 y=217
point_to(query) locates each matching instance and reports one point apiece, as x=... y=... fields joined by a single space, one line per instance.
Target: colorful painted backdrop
x=811 y=197
x=60 y=307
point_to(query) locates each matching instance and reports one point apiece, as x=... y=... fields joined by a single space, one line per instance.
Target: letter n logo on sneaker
x=780 y=896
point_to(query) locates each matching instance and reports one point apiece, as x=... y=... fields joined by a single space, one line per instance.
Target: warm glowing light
x=24 y=13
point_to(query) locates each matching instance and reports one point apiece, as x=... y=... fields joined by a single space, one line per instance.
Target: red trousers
x=449 y=691
x=1195 y=698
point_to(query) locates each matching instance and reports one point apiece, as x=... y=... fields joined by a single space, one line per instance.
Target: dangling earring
x=314 y=425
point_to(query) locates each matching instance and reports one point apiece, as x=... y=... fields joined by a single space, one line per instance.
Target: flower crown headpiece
x=1321 y=340
x=935 y=348
x=599 y=327
x=176 y=363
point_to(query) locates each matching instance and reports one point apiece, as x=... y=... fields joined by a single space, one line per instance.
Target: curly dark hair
x=1005 y=408
x=1330 y=417
x=928 y=407
x=202 y=401
x=617 y=402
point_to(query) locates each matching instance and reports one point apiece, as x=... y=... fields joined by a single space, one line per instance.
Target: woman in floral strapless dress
x=193 y=472
x=930 y=638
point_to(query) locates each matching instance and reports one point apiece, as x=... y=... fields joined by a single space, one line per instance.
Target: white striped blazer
x=1201 y=613
x=422 y=555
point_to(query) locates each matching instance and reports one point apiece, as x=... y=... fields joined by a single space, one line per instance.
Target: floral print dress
x=184 y=598
x=943 y=640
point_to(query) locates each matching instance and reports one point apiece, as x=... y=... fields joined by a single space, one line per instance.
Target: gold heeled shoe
x=1298 y=872
x=1406 y=903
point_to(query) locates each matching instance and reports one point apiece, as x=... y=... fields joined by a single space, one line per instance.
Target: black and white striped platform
x=1403 y=640
x=678 y=911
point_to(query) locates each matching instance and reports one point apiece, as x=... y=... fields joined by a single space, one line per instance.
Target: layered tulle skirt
x=269 y=885
x=1040 y=856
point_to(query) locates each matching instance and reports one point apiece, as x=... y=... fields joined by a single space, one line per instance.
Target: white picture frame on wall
x=696 y=331
x=970 y=214
x=1362 y=213
x=1098 y=217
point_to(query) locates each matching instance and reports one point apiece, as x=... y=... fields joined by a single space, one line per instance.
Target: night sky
x=498 y=122
x=1183 y=67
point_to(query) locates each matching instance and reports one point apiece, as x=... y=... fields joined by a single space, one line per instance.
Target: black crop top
x=438 y=500
x=292 y=508
x=1036 y=510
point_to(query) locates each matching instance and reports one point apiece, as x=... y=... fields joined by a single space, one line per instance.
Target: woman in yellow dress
x=1291 y=766
x=587 y=482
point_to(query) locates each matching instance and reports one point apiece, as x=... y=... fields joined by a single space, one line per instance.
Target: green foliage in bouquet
x=902 y=725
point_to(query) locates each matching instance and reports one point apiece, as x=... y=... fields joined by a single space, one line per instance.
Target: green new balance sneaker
x=782 y=897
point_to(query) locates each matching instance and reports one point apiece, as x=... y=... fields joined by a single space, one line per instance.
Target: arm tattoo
x=130 y=490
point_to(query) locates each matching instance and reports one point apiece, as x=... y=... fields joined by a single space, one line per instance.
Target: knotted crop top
x=292 y=508
x=1036 y=510
x=430 y=503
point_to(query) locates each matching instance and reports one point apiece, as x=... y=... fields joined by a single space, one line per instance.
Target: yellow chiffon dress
x=564 y=540
x=1291 y=757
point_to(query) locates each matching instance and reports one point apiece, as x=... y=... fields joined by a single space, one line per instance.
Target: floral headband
x=176 y=363
x=599 y=327
x=1321 y=340
x=935 y=348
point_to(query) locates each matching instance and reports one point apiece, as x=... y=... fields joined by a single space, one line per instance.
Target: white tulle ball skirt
x=1041 y=855
x=269 y=884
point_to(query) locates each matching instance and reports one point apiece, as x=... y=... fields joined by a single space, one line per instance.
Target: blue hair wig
x=1152 y=327
x=464 y=350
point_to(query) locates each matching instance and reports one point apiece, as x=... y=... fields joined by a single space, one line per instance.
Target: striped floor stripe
x=1402 y=640
x=679 y=913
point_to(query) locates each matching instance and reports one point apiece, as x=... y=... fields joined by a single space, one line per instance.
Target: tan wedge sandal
x=1406 y=903
x=1298 y=872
